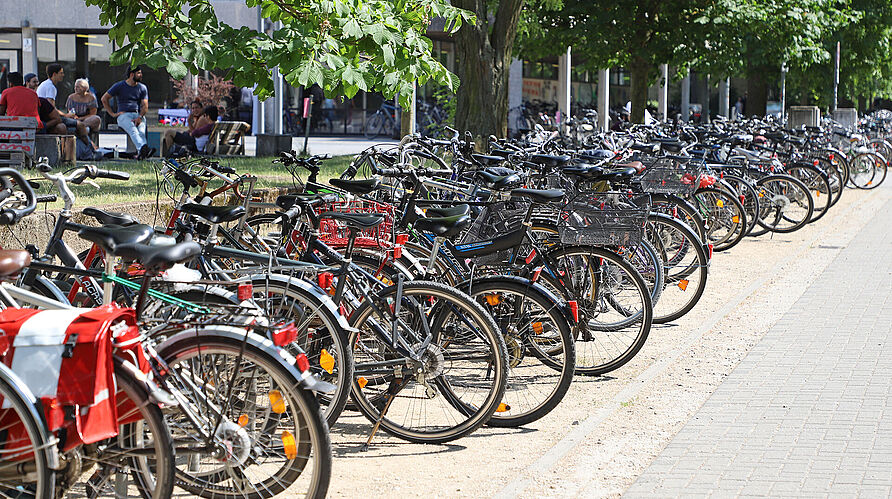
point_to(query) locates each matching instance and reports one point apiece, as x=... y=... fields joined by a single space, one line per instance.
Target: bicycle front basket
x=602 y=219
x=670 y=176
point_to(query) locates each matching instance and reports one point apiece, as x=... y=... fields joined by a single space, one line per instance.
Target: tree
x=343 y=45
x=484 y=53
x=754 y=37
x=605 y=33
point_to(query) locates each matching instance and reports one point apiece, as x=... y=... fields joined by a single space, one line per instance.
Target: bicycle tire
x=780 y=192
x=685 y=276
x=724 y=211
x=594 y=300
x=20 y=404
x=818 y=184
x=455 y=411
x=312 y=445
x=527 y=329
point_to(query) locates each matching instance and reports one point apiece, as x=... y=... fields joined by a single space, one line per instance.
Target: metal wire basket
x=336 y=234
x=670 y=176
x=603 y=219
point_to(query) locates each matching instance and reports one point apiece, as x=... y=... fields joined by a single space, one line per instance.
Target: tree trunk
x=756 y=90
x=862 y=104
x=483 y=53
x=639 y=70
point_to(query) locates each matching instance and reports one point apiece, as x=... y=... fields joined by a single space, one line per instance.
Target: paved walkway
x=809 y=411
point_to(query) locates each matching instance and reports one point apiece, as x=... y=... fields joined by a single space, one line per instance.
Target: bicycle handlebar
x=9 y=216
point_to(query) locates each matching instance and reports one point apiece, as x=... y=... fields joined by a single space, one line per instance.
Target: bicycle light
x=574 y=309
x=325 y=279
x=302 y=363
x=245 y=291
x=285 y=335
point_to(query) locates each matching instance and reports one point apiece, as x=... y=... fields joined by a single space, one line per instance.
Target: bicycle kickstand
x=395 y=386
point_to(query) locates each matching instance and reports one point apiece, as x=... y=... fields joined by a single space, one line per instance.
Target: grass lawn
x=143 y=183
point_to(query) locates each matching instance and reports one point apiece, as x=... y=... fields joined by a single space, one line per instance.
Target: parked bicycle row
x=431 y=288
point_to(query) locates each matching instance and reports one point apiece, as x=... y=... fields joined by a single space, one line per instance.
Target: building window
x=46 y=49
x=10 y=41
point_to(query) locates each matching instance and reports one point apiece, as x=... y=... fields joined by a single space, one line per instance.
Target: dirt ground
x=608 y=429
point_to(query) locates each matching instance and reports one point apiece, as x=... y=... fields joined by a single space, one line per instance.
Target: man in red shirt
x=18 y=100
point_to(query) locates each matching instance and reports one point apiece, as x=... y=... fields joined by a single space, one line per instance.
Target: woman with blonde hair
x=83 y=106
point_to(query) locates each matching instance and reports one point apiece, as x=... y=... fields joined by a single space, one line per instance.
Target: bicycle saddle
x=483 y=159
x=12 y=262
x=775 y=136
x=539 y=195
x=443 y=226
x=670 y=145
x=356 y=220
x=110 y=237
x=596 y=154
x=286 y=201
x=109 y=217
x=496 y=181
x=648 y=148
x=549 y=160
x=355 y=186
x=214 y=214
x=619 y=174
x=447 y=211
x=637 y=165
x=157 y=258
x=584 y=170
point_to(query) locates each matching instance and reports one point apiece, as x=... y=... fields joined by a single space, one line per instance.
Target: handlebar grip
x=46 y=198
x=111 y=174
x=225 y=169
x=390 y=172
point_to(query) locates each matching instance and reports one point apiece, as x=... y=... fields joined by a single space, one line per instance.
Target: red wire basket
x=336 y=234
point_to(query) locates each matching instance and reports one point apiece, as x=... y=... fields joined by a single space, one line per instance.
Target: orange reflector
x=493 y=299
x=243 y=420
x=683 y=284
x=761 y=194
x=720 y=203
x=735 y=219
x=537 y=328
x=276 y=402
x=362 y=382
x=817 y=194
x=503 y=407
x=326 y=361
x=289 y=445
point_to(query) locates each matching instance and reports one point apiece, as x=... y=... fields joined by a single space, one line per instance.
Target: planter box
x=272 y=145
x=846 y=116
x=60 y=150
x=803 y=115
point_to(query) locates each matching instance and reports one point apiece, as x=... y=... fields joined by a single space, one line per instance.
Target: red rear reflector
x=710 y=250
x=325 y=279
x=536 y=274
x=397 y=252
x=530 y=256
x=303 y=364
x=574 y=309
x=245 y=291
x=402 y=238
x=285 y=335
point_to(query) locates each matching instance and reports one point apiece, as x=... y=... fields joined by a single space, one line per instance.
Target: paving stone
x=808 y=411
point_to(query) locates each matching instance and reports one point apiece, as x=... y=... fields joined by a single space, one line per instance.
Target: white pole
x=564 y=85
x=686 y=97
x=604 y=98
x=663 y=96
x=783 y=92
x=835 y=79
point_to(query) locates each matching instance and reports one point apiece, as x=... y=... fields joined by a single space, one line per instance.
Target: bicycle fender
x=311 y=288
x=255 y=342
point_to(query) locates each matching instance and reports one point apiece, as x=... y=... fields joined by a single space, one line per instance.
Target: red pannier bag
x=65 y=358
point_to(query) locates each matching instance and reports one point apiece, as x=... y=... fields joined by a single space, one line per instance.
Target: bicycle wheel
x=725 y=217
x=748 y=196
x=785 y=203
x=686 y=263
x=26 y=441
x=320 y=335
x=143 y=449
x=461 y=377
x=818 y=184
x=541 y=349
x=374 y=126
x=613 y=303
x=253 y=431
x=681 y=209
x=835 y=176
x=867 y=170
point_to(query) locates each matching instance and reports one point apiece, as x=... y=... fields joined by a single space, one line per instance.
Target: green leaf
x=352 y=29
x=177 y=69
x=387 y=51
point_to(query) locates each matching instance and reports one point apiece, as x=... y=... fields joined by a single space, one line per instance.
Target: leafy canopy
x=343 y=45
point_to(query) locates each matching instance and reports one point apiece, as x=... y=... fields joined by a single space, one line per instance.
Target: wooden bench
x=17 y=141
x=227 y=138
